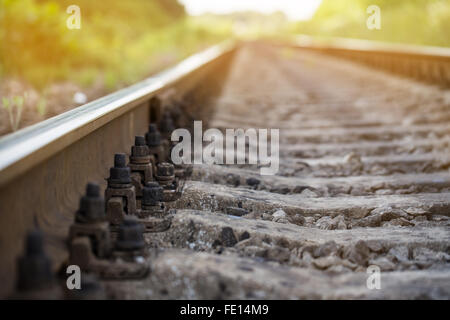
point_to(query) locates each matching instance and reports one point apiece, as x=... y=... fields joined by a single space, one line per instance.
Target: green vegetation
x=120 y=42
x=14 y=107
x=248 y=24
x=425 y=22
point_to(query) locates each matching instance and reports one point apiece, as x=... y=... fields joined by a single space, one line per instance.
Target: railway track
x=363 y=180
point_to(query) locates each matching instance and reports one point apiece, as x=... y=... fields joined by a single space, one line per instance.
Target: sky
x=293 y=9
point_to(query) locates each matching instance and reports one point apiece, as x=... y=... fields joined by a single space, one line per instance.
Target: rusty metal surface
x=44 y=168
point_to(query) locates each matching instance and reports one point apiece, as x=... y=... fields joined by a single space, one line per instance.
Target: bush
x=119 y=41
x=425 y=22
x=34 y=43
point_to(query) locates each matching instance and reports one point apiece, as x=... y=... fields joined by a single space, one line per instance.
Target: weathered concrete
x=187 y=275
x=214 y=197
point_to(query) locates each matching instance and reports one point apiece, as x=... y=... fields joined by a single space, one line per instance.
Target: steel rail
x=44 y=168
x=372 y=46
x=25 y=148
x=424 y=63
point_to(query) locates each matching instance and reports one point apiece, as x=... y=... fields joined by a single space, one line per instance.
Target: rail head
x=27 y=147
x=422 y=63
x=370 y=46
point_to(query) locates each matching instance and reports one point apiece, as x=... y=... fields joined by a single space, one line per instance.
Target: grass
x=120 y=42
x=14 y=107
x=422 y=22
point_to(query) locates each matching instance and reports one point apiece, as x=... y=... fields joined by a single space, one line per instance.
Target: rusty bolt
x=153 y=136
x=166 y=124
x=152 y=194
x=92 y=205
x=165 y=169
x=120 y=173
x=139 y=141
x=34 y=267
x=140 y=149
x=130 y=237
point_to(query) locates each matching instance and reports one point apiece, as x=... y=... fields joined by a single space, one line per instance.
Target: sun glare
x=293 y=9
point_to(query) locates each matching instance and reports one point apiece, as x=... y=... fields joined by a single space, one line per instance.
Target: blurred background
x=47 y=68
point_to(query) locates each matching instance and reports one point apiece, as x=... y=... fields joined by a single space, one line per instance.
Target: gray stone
x=339 y=223
x=244 y=236
x=279 y=214
x=374 y=220
x=253 y=182
x=228 y=237
x=384 y=263
x=297 y=219
x=280 y=217
x=399 y=254
x=234 y=211
x=358 y=253
x=400 y=222
x=416 y=211
x=337 y=269
x=325 y=223
x=328 y=223
x=281 y=189
x=233 y=180
x=375 y=246
x=326 y=249
x=308 y=194
x=326 y=262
